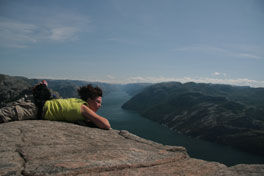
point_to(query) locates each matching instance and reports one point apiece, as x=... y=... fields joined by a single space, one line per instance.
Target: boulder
x=57 y=148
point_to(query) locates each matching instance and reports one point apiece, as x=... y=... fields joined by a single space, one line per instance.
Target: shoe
x=44 y=82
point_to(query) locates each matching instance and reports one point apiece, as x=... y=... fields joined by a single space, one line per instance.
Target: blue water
x=121 y=119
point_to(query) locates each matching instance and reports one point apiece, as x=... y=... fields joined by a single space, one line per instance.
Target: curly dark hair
x=89 y=91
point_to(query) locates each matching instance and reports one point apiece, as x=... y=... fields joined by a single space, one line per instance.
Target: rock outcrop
x=13 y=88
x=56 y=148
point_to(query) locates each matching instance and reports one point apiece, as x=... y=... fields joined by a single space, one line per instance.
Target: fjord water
x=121 y=119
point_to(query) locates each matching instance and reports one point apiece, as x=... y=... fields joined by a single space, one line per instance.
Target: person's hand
x=98 y=120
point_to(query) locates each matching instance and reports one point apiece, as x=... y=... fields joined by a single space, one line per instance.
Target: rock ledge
x=56 y=148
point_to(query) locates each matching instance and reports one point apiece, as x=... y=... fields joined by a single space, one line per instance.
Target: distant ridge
x=15 y=87
x=231 y=115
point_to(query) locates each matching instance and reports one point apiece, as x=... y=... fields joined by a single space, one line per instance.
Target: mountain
x=231 y=115
x=15 y=87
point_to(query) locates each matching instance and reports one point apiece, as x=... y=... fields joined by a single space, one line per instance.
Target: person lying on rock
x=43 y=106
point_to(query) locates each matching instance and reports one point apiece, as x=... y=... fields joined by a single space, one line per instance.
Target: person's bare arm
x=98 y=120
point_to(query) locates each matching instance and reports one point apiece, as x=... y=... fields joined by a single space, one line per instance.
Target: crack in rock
x=24 y=160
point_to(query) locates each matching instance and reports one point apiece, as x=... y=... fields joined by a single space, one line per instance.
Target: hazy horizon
x=137 y=82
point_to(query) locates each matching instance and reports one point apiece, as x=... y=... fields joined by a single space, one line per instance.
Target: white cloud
x=20 y=34
x=216 y=73
x=63 y=33
x=141 y=79
x=16 y=34
x=250 y=56
x=238 y=82
x=236 y=53
x=201 y=48
x=110 y=77
x=219 y=74
x=138 y=79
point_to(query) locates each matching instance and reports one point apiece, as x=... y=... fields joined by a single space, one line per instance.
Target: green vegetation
x=208 y=111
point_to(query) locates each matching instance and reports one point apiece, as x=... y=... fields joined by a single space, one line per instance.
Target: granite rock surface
x=36 y=148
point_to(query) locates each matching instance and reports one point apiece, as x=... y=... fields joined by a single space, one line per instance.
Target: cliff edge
x=56 y=148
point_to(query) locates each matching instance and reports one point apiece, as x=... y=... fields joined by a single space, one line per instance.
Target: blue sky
x=123 y=41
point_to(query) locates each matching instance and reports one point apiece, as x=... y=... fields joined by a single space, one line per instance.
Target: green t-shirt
x=68 y=110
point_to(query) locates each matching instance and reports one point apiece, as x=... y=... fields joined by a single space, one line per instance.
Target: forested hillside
x=225 y=114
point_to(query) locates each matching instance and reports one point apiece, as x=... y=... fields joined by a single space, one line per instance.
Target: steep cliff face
x=15 y=87
x=57 y=148
x=12 y=88
x=218 y=113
